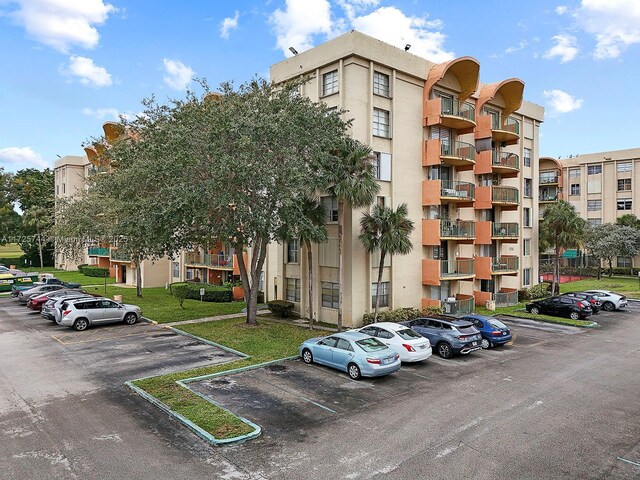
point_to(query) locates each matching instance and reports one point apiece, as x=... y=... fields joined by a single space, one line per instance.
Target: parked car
x=51 y=308
x=36 y=303
x=494 y=332
x=448 y=337
x=560 y=306
x=353 y=352
x=610 y=300
x=594 y=300
x=25 y=295
x=411 y=346
x=82 y=313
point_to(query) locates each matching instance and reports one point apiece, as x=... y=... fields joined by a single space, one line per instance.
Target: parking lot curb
x=549 y=322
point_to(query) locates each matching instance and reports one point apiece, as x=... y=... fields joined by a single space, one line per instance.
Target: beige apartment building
x=602 y=187
x=463 y=155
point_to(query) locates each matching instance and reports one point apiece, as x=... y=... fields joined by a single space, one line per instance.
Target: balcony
x=459 y=305
x=506 y=297
x=215 y=261
x=117 y=256
x=450 y=113
x=445 y=152
x=435 y=230
x=549 y=177
x=489 y=196
x=504 y=265
x=98 y=251
x=504 y=162
x=499 y=129
x=436 y=192
x=434 y=271
x=548 y=194
x=504 y=195
x=504 y=231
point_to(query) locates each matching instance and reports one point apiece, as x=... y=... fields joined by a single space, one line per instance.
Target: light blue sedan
x=357 y=354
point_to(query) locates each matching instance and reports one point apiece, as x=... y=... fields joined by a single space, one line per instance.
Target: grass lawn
x=265 y=342
x=519 y=311
x=72 y=276
x=11 y=250
x=628 y=286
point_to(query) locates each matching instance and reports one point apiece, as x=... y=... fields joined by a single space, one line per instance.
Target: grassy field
x=72 y=276
x=265 y=342
x=10 y=250
x=628 y=286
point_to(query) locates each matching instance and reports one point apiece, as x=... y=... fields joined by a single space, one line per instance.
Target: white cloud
x=520 y=46
x=88 y=73
x=21 y=157
x=566 y=48
x=228 y=24
x=108 y=113
x=614 y=23
x=352 y=7
x=62 y=24
x=561 y=9
x=177 y=74
x=301 y=20
x=561 y=102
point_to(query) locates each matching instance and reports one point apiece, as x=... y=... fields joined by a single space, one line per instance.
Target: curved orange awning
x=465 y=69
x=113 y=131
x=511 y=91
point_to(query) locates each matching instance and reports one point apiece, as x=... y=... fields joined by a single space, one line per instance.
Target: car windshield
x=371 y=344
x=408 y=334
x=465 y=328
x=497 y=323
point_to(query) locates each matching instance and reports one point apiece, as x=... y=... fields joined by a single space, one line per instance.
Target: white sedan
x=610 y=300
x=411 y=346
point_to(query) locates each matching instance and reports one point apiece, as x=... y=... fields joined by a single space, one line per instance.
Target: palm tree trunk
x=380 y=267
x=310 y=274
x=556 y=272
x=340 y=261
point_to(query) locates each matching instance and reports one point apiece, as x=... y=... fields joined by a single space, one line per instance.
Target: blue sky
x=70 y=65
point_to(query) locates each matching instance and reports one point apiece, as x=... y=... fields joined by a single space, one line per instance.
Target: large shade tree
x=607 y=241
x=9 y=218
x=387 y=231
x=561 y=228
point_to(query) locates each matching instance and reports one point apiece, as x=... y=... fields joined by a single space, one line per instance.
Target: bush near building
x=402 y=314
x=281 y=308
x=99 y=272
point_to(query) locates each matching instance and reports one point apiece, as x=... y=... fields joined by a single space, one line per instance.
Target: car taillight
x=593 y=301
x=374 y=360
x=496 y=332
x=463 y=337
x=66 y=312
x=409 y=347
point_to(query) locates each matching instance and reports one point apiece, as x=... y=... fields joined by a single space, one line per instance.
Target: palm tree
x=561 y=228
x=388 y=231
x=354 y=185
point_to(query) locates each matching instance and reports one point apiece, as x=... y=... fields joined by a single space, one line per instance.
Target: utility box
x=490 y=305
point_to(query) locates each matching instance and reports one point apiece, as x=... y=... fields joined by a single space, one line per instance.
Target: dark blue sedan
x=494 y=332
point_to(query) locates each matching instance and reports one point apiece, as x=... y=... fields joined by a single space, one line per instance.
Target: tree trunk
x=340 y=261
x=610 y=267
x=251 y=278
x=138 y=278
x=40 y=250
x=380 y=268
x=310 y=274
x=556 y=272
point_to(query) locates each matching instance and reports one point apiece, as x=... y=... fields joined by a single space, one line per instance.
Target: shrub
x=81 y=266
x=91 y=271
x=180 y=292
x=401 y=314
x=524 y=295
x=212 y=293
x=539 y=291
x=280 y=308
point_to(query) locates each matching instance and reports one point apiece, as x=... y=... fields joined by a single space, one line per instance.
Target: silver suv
x=83 y=312
x=51 y=308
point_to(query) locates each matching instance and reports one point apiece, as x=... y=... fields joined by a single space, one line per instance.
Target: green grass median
x=519 y=311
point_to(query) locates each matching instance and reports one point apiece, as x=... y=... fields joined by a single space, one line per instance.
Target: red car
x=36 y=303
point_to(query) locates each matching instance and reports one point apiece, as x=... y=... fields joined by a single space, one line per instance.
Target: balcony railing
x=504 y=264
x=506 y=299
x=457 y=229
x=459 y=307
x=549 y=177
x=505 y=230
x=457 y=268
x=99 y=251
x=457 y=149
x=504 y=195
x=210 y=260
x=501 y=158
x=458 y=108
x=548 y=197
x=463 y=190
x=510 y=124
x=118 y=256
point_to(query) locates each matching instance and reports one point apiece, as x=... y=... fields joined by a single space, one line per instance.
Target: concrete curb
x=550 y=322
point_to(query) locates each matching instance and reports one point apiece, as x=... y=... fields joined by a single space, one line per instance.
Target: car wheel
x=81 y=324
x=307 y=356
x=574 y=315
x=354 y=371
x=608 y=307
x=445 y=350
x=130 y=318
x=535 y=310
x=486 y=343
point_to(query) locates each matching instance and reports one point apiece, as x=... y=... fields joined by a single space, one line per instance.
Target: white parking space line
x=317 y=404
x=629 y=461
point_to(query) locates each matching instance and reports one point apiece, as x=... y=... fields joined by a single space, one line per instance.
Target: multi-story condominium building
x=461 y=154
x=602 y=187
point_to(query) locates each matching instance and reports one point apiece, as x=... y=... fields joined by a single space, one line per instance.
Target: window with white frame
x=384 y=294
x=623 y=262
x=594 y=205
x=526 y=217
x=574 y=173
x=624 y=184
x=381 y=166
x=594 y=169
x=575 y=189
x=330 y=83
x=594 y=222
x=293 y=249
x=293 y=289
x=526 y=277
x=526 y=157
x=526 y=247
x=381 y=123
x=528 y=187
x=175 y=269
x=330 y=293
x=330 y=205
x=380 y=84
x=623 y=167
x=624 y=204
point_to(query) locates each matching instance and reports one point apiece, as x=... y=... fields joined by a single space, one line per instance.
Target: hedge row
x=590 y=271
x=402 y=314
x=91 y=271
x=212 y=293
x=12 y=261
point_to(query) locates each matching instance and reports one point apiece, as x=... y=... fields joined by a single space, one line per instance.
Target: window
x=623 y=262
x=384 y=294
x=381 y=201
x=526 y=277
x=330 y=293
x=381 y=123
x=594 y=205
x=528 y=187
x=624 y=204
x=575 y=189
x=574 y=173
x=624 y=184
x=594 y=221
x=189 y=274
x=293 y=289
x=487 y=286
x=527 y=157
x=330 y=205
x=176 y=269
x=526 y=216
x=623 y=166
x=293 y=247
x=343 y=344
x=330 y=83
x=526 y=247
x=380 y=84
x=594 y=169
x=594 y=186
x=381 y=166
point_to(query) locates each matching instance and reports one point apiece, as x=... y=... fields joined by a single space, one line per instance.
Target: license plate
x=386 y=361
x=473 y=344
x=423 y=346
